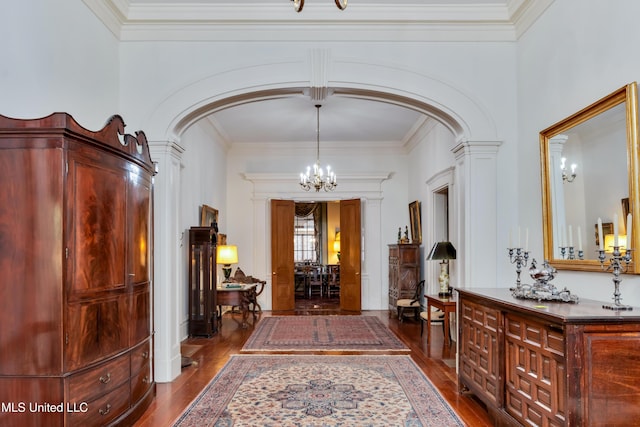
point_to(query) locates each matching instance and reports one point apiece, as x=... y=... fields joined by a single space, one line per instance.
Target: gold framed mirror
x=589 y=165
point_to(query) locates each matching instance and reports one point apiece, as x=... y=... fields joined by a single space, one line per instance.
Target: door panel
x=282 y=270
x=350 y=281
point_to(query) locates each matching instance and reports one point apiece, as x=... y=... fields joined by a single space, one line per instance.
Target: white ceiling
x=344 y=121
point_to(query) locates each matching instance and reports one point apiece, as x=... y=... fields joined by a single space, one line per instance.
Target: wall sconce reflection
x=565 y=175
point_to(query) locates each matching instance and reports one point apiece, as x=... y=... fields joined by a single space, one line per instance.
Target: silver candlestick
x=519 y=257
x=572 y=252
x=618 y=264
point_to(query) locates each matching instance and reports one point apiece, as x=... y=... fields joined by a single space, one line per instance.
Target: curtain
x=303 y=210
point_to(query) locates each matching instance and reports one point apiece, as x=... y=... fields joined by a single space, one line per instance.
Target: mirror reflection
x=589 y=173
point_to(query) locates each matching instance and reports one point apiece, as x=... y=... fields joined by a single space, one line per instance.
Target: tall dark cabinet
x=202 y=281
x=404 y=272
x=75 y=272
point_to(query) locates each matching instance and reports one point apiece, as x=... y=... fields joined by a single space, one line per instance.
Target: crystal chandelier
x=318 y=180
x=299 y=4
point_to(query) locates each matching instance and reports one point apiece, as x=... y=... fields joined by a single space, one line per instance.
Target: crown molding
x=277 y=21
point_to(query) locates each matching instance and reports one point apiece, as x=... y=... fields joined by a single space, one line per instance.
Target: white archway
x=459 y=112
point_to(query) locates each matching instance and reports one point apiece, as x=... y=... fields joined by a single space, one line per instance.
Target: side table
x=447 y=305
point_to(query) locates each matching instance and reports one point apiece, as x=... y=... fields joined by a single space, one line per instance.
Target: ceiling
x=345 y=121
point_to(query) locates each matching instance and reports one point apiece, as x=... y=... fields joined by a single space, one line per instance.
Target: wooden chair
x=411 y=303
x=315 y=282
x=333 y=282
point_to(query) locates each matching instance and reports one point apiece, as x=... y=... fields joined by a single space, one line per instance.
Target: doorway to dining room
x=317 y=257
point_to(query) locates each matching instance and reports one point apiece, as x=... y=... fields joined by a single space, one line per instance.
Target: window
x=304 y=240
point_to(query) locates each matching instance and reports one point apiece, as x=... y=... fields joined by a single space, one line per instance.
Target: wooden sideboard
x=549 y=363
x=404 y=272
x=75 y=273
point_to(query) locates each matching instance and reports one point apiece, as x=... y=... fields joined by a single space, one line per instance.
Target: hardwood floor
x=210 y=354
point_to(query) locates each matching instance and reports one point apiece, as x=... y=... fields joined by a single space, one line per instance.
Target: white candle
x=600 y=239
x=570 y=236
x=579 y=239
x=519 y=235
x=526 y=240
x=510 y=238
x=615 y=229
x=629 y=225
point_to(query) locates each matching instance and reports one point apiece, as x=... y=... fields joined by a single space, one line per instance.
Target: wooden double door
x=282 y=265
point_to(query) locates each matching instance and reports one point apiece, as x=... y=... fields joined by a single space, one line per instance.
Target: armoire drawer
x=104 y=409
x=140 y=356
x=95 y=382
x=141 y=382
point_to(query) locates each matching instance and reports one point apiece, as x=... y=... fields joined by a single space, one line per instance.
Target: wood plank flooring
x=210 y=354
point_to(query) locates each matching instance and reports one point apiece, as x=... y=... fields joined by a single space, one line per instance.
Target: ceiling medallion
x=299 y=4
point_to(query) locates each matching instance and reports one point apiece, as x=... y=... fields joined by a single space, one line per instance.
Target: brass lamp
x=227 y=255
x=443 y=251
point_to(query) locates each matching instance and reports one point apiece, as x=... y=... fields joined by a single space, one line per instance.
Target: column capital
x=476 y=147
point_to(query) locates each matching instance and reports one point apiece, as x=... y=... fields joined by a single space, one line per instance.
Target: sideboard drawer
x=95 y=382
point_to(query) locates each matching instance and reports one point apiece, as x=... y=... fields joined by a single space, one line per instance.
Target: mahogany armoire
x=75 y=273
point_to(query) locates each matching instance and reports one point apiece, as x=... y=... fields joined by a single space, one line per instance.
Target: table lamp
x=443 y=251
x=227 y=255
x=336 y=249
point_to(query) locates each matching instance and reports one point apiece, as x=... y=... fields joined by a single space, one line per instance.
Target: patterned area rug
x=313 y=390
x=323 y=333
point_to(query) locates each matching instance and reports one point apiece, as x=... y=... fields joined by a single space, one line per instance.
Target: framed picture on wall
x=415 y=217
x=208 y=215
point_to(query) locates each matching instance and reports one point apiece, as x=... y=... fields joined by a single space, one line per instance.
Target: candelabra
x=571 y=252
x=519 y=257
x=618 y=263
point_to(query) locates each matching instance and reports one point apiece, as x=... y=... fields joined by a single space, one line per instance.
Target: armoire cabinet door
x=98 y=198
x=95 y=330
x=140 y=226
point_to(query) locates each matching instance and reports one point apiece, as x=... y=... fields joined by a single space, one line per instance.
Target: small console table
x=447 y=305
x=237 y=295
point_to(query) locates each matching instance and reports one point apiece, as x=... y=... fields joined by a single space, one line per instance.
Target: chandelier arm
x=342 y=4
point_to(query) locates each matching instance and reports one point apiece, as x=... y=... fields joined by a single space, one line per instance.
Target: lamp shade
x=336 y=246
x=442 y=250
x=227 y=254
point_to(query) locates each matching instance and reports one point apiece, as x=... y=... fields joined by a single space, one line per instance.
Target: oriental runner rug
x=319 y=391
x=312 y=334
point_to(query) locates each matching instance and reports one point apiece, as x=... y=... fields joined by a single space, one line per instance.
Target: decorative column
x=556 y=195
x=168 y=284
x=475 y=214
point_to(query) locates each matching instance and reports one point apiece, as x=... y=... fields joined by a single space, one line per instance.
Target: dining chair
x=333 y=285
x=316 y=285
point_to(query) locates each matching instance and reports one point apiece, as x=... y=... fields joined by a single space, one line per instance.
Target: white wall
x=576 y=53
x=58 y=57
